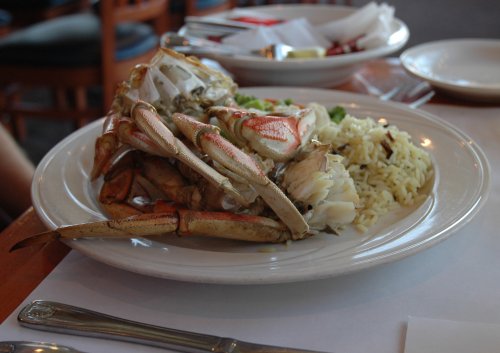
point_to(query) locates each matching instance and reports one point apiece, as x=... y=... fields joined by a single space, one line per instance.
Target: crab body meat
x=272 y=136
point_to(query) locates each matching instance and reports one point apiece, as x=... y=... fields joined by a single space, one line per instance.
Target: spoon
x=34 y=347
x=63 y=318
x=195 y=45
x=200 y=46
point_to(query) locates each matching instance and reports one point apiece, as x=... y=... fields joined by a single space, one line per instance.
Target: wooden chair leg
x=10 y=97
x=4 y=120
x=81 y=104
x=61 y=98
x=18 y=122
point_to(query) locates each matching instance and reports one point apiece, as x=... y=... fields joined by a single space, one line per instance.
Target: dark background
x=428 y=20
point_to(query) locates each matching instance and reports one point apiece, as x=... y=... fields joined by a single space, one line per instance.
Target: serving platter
x=63 y=194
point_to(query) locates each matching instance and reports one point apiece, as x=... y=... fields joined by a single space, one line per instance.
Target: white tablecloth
x=368 y=311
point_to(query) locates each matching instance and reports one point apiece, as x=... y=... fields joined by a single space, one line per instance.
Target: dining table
x=378 y=309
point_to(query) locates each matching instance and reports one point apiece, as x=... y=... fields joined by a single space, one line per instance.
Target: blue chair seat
x=5 y=18
x=205 y=4
x=72 y=41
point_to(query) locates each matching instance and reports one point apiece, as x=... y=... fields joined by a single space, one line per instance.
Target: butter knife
x=62 y=318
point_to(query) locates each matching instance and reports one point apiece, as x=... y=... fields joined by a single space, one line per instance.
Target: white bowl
x=319 y=72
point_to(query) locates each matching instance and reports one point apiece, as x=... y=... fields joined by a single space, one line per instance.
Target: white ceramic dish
x=323 y=72
x=467 y=68
x=62 y=194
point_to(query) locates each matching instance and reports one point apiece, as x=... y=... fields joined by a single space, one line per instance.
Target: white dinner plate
x=62 y=195
x=467 y=68
x=329 y=71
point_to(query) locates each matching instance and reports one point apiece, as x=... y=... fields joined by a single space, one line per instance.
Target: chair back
x=114 y=12
x=70 y=54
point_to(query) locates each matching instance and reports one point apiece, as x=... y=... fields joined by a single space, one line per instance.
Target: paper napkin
x=297 y=33
x=445 y=336
x=370 y=27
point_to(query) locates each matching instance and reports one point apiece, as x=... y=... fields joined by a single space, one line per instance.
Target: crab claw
x=276 y=137
x=147 y=119
x=208 y=139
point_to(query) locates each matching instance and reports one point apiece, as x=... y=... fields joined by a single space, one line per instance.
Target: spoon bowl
x=34 y=347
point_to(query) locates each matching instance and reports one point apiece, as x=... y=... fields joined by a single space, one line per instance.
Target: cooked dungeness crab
x=178 y=155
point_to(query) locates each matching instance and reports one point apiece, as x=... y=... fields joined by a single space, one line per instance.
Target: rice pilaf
x=387 y=168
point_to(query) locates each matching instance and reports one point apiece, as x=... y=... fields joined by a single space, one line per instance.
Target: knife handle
x=62 y=318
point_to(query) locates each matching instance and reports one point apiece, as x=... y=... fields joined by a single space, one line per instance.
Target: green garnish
x=242 y=99
x=248 y=102
x=337 y=114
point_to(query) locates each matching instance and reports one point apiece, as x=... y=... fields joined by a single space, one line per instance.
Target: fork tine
x=426 y=97
x=390 y=94
x=375 y=91
x=413 y=93
x=417 y=90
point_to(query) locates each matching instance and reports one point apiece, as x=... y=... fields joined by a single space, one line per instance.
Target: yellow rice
x=387 y=168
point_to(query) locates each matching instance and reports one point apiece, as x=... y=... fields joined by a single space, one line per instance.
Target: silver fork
x=412 y=93
x=418 y=94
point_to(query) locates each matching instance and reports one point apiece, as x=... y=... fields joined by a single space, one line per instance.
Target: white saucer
x=468 y=68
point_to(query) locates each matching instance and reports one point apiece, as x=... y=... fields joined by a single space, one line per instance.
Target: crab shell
x=163 y=110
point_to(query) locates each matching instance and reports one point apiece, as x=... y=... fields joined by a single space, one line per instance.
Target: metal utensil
x=219 y=22
x=34 y=347
x=198 y=46
x=413 y=93
x=213 y=26
x=201 y=46
x=62 y=318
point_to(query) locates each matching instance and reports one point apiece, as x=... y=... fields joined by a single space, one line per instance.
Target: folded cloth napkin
x=370 y=26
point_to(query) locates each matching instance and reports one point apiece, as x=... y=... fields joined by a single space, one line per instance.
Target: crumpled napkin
x=372 y=20
x=370 y=27
x=297 y=32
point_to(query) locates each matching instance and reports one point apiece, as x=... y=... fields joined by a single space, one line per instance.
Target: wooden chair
x=71 y=54
x=27 y=12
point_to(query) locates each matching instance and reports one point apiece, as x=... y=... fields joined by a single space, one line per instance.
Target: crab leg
x=131 y=135
x=105 y=145
x=181 y=222
x=208 y=139
x=148 y=121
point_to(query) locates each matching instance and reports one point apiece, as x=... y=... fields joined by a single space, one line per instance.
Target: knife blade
x=63 y=318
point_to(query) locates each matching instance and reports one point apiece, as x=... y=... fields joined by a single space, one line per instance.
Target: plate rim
x=273 y=278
